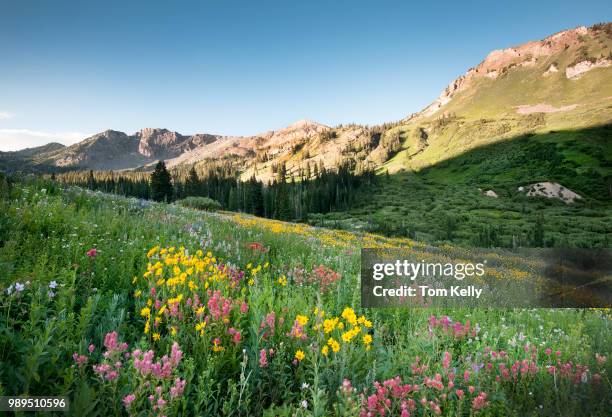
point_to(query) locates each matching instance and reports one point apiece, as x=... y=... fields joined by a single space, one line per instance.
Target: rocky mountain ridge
x=558 y=82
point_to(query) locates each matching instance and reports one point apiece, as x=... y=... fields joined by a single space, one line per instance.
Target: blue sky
x=72 y=68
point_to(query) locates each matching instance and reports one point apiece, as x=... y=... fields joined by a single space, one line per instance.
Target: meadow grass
x=258 y=317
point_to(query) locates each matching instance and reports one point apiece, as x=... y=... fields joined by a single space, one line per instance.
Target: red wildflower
x=256 y=246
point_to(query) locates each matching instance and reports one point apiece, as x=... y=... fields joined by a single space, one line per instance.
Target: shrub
x=200 y=203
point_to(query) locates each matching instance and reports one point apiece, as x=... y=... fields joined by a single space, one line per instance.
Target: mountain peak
x=305 y=123
x=150 y=131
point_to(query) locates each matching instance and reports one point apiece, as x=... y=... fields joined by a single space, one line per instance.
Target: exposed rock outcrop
x=552 y=190
x=578 y=70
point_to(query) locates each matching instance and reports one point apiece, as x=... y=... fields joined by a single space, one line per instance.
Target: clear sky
x=73 y=68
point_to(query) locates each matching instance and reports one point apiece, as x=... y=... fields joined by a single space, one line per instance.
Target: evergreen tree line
x=283 y=198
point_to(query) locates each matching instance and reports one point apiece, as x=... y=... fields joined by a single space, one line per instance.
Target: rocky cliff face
x=160 y=143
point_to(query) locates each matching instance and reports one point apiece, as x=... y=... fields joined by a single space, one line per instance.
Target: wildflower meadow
x=134 y=308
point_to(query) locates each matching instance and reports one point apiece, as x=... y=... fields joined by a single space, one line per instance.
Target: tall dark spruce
x=161 y=183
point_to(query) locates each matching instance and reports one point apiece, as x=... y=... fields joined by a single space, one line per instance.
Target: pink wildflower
x=263 y=358
x=127 y=400
x=178 y=388
x=447 y=360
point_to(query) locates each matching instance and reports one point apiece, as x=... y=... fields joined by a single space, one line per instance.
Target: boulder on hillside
x=551 y=190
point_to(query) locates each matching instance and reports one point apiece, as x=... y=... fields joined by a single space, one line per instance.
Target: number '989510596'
x=33 y=403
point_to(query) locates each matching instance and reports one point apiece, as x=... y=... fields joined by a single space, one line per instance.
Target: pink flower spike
x=128 y=399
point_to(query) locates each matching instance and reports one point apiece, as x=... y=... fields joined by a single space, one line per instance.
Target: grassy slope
x=421 y=204
x=486 y=111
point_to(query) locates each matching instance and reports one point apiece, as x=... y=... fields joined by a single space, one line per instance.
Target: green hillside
x=520 y=99
x=446 y=201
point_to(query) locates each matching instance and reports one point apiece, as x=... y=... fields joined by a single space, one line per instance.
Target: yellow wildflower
x=302 y=320
x=329 y=324
x=349 y=315
x=299 y=355
x=153 y=251
x=156 y=336
x=335 y=346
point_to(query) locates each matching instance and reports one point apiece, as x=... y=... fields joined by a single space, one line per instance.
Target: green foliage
x=200 y=203
x=447 y=201
x=161 y=183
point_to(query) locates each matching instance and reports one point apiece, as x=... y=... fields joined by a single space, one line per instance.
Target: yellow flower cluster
x=254 y=270
x=176 y=275
x=328 y=237
x=337 y=330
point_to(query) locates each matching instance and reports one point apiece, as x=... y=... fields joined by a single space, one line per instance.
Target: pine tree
x=161 y=183
x=257 y=196
x=281 y=175
x=192 y=185
x=538 y=232
x=91 y=181
x=283 y=202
